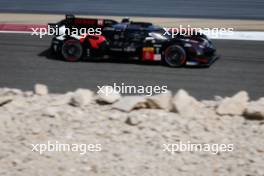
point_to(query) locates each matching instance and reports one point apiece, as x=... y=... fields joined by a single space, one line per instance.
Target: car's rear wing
x=71 y=21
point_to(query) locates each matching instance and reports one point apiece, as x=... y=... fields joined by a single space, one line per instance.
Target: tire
x=174 y=56
x=72 y=50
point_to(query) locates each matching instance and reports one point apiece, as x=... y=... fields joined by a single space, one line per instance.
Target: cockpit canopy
x=132 y=25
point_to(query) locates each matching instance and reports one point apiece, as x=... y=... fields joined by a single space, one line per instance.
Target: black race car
x=85 y=38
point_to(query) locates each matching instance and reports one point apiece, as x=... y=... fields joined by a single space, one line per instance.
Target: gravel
x=132 y=143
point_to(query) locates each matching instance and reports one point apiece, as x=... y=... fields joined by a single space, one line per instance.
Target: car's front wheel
x=174 y=56
x=72 y=50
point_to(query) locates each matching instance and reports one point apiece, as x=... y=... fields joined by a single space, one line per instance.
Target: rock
x=161 y=101
x=129 y=103
x=116 y=115
x=51 y=112
x=235 y=105
x=10 y=92
x=62 y=99
x=17 y=104
x=133 y=120
x=5 y=99
x=185 y=104
x=81 y=97
x=141 y=117
x=218 y=98
x=28 y=94
x=108 y=95
x=36 y=129
x=210 y=103
x=41 y=89
x=255 y=110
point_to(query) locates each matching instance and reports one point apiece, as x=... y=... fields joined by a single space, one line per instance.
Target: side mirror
x=125 y=20
x=69 y=16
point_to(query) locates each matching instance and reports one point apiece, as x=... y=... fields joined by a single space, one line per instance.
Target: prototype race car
x=105 y=38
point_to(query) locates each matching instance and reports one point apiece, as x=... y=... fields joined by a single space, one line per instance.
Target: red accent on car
x=205 y=60
x=148 y=53
x=94 y=40
x=83 y=36
x=85 y=21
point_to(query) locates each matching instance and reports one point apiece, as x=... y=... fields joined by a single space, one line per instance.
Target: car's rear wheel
x=72 y=50
x=174 y=56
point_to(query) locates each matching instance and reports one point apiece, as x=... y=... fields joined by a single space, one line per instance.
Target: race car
x=104 y=38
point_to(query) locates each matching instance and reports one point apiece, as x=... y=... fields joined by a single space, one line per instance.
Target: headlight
x=187 y=45
x=201 y=46
x=157 y=36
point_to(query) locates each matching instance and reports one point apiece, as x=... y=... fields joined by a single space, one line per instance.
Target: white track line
x=15 y=32
x=236 y=35
x=239 y=35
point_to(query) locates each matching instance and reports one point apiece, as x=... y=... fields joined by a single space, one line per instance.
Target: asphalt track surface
x=236 y=9
x=24 y=61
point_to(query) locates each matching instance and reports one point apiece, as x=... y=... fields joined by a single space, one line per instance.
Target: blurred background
x=238 y=9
